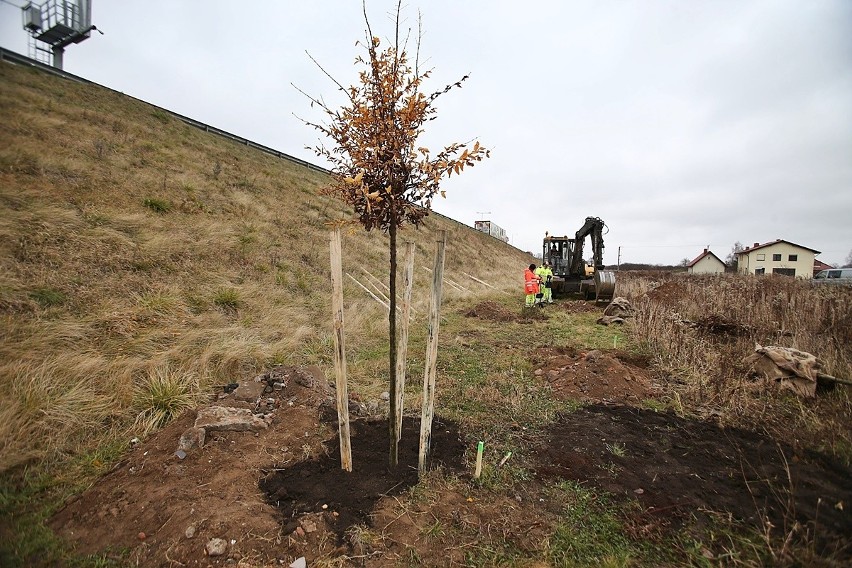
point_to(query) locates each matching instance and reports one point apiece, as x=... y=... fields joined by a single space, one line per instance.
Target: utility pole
x=618 y=265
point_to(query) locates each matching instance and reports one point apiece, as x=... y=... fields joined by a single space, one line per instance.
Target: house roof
x=702 y=255
x=747 y=250
x=820 y=265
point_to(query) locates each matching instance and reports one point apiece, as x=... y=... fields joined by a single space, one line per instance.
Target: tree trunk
x=392 y=416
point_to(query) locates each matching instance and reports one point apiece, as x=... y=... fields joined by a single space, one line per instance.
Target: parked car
x=834 y=276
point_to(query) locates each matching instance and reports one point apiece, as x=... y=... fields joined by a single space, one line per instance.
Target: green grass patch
x=48 y=297
x=157 y=205
x=590 y=534
x=29 y=497
x=161 y=115
x=227 y=299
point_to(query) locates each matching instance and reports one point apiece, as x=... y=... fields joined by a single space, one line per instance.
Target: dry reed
x=700 y=328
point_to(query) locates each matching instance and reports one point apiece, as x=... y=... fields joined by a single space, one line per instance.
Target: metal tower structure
x=54 y=25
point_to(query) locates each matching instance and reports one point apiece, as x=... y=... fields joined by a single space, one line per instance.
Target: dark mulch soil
x=679 y=467
x=307 y=486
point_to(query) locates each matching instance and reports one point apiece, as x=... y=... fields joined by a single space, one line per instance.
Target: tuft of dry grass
x=165 y=393
x=43 y=408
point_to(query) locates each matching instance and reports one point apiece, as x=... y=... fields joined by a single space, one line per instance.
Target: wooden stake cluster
x=430 y=373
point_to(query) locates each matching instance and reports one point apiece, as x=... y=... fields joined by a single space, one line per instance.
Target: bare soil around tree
x=278 y=494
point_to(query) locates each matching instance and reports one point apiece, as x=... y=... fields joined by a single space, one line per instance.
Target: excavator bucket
x=604 y=286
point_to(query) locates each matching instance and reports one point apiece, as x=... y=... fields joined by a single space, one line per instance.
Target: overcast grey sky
x=681 y=123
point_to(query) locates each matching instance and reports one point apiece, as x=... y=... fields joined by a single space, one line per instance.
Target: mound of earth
x=578 y=306
x=595 y=376
x=679 y=467
x=669 y=292
x=162 y=507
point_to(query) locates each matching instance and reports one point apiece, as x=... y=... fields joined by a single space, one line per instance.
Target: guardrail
x=11 y=56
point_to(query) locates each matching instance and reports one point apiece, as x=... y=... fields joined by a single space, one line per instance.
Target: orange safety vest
x=530 y=282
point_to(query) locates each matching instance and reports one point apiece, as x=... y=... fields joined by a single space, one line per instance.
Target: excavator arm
x=593 y=227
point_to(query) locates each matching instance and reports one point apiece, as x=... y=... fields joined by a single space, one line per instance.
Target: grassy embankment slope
x=144 y=261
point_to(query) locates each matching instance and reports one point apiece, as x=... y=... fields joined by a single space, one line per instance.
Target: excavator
x=571 y=274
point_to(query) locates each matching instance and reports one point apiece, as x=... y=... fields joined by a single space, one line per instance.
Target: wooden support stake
x=474 y=278
x=374 y=281
x=455 y=285
x=340 y=351
x=378 y=286
x=402 y=353
x=371 y=277
x=431 y=354
x=367 y=290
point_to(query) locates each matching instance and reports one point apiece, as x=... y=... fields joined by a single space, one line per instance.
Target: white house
x=706 y=263
x=777 y=257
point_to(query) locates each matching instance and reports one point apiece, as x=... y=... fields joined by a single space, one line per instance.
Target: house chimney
x=705 y=251
x=757 y=244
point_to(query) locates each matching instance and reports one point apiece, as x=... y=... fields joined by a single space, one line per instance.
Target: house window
x=761 y=256
x=793 y=257
x=776 y=257
x=760 y=271
x=784 y=271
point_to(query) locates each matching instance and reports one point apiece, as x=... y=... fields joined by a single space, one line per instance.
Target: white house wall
x=707 y=265
x=749 y=262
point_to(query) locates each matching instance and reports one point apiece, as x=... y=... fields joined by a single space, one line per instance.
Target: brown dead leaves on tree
x=377 y=166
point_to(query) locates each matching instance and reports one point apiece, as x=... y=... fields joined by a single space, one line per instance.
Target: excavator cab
x=572 y=273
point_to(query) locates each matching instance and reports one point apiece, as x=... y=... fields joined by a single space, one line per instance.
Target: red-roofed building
x=819 y=266
x=706 y=263
x=777 y=257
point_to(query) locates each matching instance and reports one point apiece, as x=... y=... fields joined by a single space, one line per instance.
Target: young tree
x=377 y=165
x=731 y=259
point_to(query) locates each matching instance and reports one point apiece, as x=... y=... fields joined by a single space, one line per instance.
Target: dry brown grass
x=134 y=247
x=699 y=329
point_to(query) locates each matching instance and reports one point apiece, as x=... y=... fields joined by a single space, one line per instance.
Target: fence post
x=340 y=351
x=431 y=354
x=402 y=352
